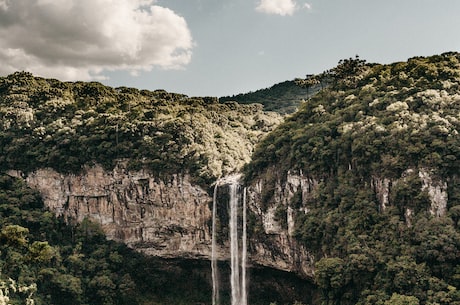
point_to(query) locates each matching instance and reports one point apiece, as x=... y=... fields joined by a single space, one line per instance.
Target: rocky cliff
x=357 y=186
x=166 y=217
x=292 y=192
x=171 y=217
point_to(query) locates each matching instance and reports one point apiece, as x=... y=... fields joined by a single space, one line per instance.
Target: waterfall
x=238 y=261
x=234 y=258
x=244 y=253
x=237 y=279
x=215 y=278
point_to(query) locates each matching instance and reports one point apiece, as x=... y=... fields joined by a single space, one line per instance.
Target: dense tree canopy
x=375 y=122
x=283 y=98
x=48 y=123
x=366 y=123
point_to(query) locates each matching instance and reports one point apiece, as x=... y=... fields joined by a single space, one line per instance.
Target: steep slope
x=48 y=123
x=139 y=164
x=44 y=260
x=358 y=190
x=366 y=177
x=284 y=97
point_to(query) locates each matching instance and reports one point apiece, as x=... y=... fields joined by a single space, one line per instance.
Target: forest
x=347 y=128
x=283 y=98
x=376 y=122
x=64 y=125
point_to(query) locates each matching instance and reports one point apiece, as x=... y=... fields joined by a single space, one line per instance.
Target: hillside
x=284 y=97
x=380 y=150
x=62 y=125
x=47 y=261
x=406 y=113
x=358 y=191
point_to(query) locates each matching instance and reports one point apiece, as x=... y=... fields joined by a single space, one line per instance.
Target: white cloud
x=281 y=7
x=3 y=4
x=79 y=39
x=277 y=7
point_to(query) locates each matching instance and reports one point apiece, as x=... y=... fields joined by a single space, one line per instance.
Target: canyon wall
x=168 y=218
x=171 y=217
x=164 y=217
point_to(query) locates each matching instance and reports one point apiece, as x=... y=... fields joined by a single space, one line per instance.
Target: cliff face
x=166 y=218
x=281 y=250
x=171 y=217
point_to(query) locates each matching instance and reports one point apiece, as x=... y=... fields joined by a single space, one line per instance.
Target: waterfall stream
x=215 y=278
x=238 y=260
x=234 y=258
x=244 y=253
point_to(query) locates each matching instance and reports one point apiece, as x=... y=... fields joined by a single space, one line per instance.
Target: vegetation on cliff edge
x=369 y=123
x=45 y=261
x=62 y=125
x=50 y=262
x=376 y=122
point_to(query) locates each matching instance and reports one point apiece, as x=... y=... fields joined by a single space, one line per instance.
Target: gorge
x=352 y=199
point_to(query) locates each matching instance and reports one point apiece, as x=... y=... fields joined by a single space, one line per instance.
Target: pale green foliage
x=397 y=299
x=402 y=108
x=41 y=252
x=14 y=235
x=377 y=130
x=9 y=287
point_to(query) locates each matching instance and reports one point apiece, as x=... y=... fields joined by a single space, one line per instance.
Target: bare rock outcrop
x=171 y=217
x=279 y=248
x=167 y=218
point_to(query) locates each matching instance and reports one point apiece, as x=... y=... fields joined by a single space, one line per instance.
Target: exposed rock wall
x=435 y=187
x=437 y=190
x=279 y=247
x=172 y=217
x=165 y=218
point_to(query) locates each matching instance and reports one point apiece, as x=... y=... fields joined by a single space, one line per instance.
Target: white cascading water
x=237 y=280
x=215 y=277
x=244 y=253
x=234 y=258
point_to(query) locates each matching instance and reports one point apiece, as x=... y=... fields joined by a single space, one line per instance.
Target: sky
x=215 y=47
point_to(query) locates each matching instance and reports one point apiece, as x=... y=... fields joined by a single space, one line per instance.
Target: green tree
x=348 y=72
x=66 y=289
x=104 y=289
x=40 y=252
x=14 y=235
x=331 y=278
x=398 y=299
